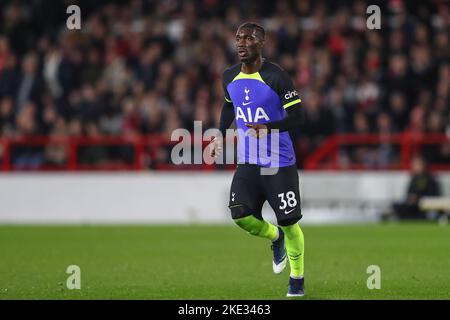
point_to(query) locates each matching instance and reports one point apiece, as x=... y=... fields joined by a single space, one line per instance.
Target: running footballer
x=260 y=97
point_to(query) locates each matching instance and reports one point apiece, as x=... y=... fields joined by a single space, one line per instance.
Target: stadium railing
x=326 y=157
x=143 y=152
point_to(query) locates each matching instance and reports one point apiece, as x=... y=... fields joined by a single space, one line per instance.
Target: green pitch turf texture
x=220 y=262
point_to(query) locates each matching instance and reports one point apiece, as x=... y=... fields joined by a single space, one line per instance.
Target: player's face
x=248 y=45
x=418 y=166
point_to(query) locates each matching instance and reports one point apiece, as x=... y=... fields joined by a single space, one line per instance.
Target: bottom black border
x=221 y=309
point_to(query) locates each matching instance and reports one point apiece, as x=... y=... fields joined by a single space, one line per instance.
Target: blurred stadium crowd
x=142 y=67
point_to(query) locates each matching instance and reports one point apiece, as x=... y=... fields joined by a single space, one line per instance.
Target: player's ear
x=261 y=42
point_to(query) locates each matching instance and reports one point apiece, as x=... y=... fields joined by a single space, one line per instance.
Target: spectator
x=56 y=153
x=92 y=154
x=27 y=157
x=386 y=152
x=30 y=84
x=137 y=68
x=435 y=153
x=398 y=110
x=6 y=116
x=421 y=184
x=360 y=154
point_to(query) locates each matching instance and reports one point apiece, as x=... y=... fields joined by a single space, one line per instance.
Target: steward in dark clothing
x=422 y=184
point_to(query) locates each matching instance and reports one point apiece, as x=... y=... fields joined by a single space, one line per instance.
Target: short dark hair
x=255 y=26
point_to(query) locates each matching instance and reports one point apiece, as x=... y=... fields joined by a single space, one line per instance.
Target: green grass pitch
x=220 y=262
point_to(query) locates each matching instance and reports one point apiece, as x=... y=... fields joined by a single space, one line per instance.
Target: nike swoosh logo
x=287 y=212
x=244 y=104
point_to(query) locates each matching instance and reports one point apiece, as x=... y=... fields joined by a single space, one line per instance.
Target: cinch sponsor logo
x=290 y=94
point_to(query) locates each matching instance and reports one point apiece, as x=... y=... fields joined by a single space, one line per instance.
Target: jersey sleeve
x=286 y=90
x=225 y=82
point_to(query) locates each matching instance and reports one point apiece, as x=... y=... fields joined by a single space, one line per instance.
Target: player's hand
x=259 y=130
x=216 y=146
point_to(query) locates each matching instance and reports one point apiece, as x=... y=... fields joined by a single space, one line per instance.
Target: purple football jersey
x=261 y=97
